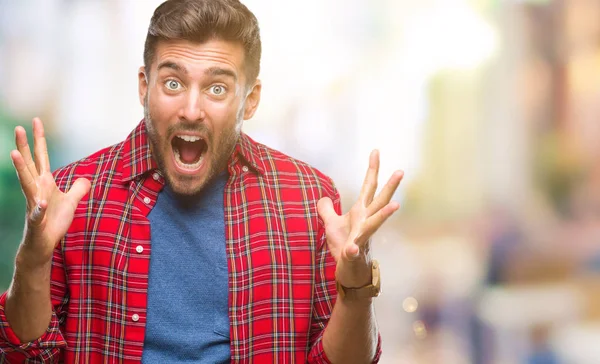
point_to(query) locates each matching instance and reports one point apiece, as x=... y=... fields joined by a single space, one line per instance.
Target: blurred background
x=489 y=106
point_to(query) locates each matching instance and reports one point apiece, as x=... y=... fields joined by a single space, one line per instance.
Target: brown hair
x=202 y=20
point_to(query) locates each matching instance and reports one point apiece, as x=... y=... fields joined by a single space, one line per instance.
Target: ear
x=252 y=100
x=142 y=84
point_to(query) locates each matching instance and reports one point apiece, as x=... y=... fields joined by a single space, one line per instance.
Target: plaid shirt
x=281 y=275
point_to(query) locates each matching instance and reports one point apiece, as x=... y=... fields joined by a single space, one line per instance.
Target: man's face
x=195 y=99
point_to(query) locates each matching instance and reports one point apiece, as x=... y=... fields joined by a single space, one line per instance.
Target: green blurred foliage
x=12 y=202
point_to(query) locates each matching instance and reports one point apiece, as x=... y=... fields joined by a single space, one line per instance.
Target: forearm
x=28 y=303
x=351 y=334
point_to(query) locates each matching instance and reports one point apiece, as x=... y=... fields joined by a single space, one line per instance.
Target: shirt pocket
x=221 y=323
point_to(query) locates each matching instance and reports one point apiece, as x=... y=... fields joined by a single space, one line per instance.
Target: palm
x=348 y=236
x=59 y=212
x=337 y=231
x=49 y=211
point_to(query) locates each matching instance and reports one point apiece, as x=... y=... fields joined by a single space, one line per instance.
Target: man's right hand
x=49 y=211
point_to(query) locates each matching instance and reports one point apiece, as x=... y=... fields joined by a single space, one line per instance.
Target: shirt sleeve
x=325 y=295
x=47 y=348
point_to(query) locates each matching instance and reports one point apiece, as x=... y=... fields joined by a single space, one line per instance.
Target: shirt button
x=156 y=176
x=146 y=200
x=245 y=168
x=135 y=317
x=139 y=249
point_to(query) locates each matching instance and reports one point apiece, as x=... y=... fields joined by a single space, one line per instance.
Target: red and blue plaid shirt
x=281 y=275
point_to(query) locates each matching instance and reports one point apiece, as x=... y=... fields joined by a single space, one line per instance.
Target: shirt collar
x=249 y=152
x=136 y=155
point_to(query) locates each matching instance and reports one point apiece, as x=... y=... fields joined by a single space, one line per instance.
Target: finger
x=370 y=184
x=23 y=147
x=374 y=222
x=42 y=161
x=325 y=209
x=79 y=189
x=25 y=178
x=386 y=193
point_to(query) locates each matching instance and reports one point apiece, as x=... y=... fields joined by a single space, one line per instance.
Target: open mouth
x=189 y=151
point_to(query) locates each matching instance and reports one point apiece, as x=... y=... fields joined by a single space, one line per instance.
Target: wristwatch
x=372 y=289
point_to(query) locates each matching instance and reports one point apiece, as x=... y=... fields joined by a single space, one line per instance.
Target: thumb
x=38 y=213
x=351 y=251
x=79 y=189
x=325 y=209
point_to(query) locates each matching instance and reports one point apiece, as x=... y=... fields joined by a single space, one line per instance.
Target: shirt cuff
x=51 y=340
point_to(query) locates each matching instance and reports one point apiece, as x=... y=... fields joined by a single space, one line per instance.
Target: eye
x=217 y=90
x=172 y=85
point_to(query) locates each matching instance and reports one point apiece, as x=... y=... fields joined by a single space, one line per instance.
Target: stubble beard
x=220 y=151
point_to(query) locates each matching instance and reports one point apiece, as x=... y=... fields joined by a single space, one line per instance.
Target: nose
x=192 y=108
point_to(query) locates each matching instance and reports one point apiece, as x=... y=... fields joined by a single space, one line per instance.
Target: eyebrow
x=212 y=71
x=172 y=65
x=217 y=71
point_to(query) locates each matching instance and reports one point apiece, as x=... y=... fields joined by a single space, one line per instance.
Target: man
x=189 y=241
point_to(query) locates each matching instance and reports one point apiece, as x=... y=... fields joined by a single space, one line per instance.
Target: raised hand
x=49 y=211
x=348 y=236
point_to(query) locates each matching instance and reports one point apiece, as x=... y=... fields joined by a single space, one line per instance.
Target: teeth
x=186 y=165
x=189 y=138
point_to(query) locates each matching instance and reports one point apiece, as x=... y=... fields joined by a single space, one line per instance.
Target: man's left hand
x=349 y=235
